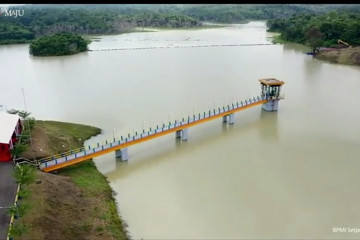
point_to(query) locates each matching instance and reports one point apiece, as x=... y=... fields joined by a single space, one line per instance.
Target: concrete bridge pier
x=229 y=118
x=271 y=105
x=122 y=154
x=183 y=134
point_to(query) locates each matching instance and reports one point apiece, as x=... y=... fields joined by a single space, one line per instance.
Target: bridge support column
x=122 y=154
x=183 y=134
x=271 y=105
x=229 y=118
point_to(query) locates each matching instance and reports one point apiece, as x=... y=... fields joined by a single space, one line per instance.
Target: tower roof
x=271 y=81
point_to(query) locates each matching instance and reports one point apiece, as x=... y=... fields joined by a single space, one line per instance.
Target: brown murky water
x=293 y=174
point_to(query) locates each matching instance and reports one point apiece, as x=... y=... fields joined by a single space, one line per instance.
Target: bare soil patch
x=349 y=56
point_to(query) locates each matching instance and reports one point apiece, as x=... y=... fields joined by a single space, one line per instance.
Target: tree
x=18 y=149
x=24 y=174
x=313 y=37
x=23 y=114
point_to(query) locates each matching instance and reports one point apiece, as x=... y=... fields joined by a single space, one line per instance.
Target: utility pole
x=28 y=125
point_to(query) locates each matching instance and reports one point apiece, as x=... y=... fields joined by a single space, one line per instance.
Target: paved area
x=7 y=196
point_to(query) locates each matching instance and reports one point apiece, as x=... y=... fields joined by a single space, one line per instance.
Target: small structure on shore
x=10 y=129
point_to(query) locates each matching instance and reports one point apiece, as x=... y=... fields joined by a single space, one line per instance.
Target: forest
x=328 y=28
x=48 y=20
x=289 y=19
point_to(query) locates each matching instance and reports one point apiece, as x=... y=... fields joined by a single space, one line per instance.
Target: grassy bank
x=52 y=137
x=278 y=39
x=76 y=202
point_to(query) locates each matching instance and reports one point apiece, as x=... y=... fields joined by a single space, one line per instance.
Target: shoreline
x=346 y=56
x=79 y=196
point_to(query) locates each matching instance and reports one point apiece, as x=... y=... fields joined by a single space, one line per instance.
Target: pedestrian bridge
x=180 y=128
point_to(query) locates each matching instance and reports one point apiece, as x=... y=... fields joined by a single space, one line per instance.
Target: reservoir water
x=291 y=174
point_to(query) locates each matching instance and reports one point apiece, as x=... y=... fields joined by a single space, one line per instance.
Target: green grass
x=278 y=39
x=70 y=135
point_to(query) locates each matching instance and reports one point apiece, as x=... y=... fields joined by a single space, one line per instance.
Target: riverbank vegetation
x=58 y=45
x=331 y=26
x=53 y=137
x=74 y=203
x=337 y=29
x=48 y=19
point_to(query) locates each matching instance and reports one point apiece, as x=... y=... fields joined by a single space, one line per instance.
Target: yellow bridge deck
x=82 y=154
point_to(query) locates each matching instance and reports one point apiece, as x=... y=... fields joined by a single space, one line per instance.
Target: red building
x=10 y=129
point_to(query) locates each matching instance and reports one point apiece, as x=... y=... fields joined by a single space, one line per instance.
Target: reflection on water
x=285 y=175
x=269 y=130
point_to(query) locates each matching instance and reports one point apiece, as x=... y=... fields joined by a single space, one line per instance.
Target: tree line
x=38 y=22
x=48 y=19
x=325 y=29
